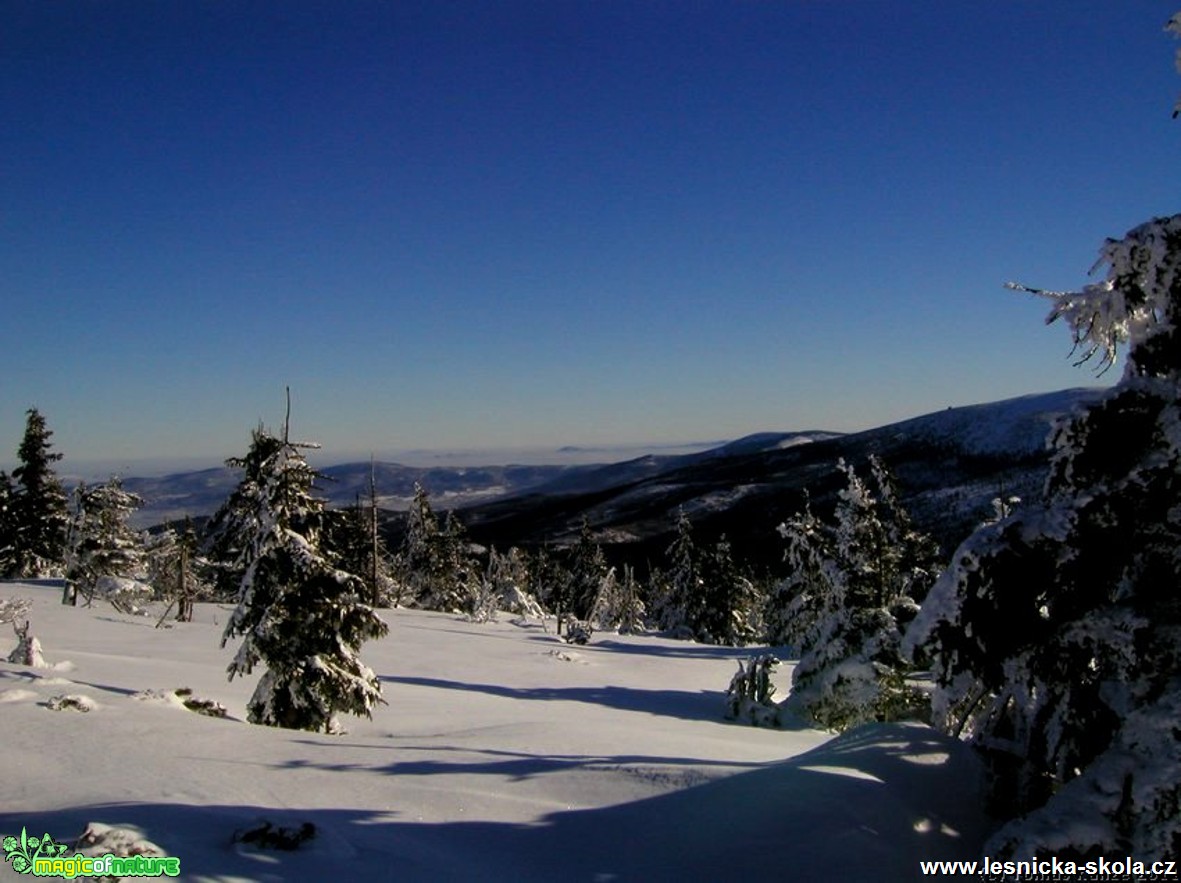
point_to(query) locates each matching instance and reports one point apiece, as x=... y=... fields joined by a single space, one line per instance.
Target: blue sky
x=488 y=225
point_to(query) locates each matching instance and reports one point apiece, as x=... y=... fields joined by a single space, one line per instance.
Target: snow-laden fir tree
x=550 y=582
x=1057 y=630
x=420 y=545
x=586 y=571
x=435 y=559
x=297 y=613
x=859 y=602
x=39 y=507
x=679 y=603
x=422 y=552
x=704 y=594
x=630 y=613
x=460 y=581
x=729 y=606
x=798 y=604
x=100 y=542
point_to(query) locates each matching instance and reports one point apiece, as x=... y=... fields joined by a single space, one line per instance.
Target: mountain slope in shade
x=949 y=464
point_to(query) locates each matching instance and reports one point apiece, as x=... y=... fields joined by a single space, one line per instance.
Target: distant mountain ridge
x=200 y=493
x=949 y=464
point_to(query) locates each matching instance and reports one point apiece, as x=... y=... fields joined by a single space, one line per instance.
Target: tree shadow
x=700 y=705
x=686 y=649
x=518 y=766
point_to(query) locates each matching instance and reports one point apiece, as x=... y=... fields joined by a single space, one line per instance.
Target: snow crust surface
x=502 y=754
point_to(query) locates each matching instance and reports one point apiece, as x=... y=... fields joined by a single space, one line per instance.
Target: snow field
x=502 y=754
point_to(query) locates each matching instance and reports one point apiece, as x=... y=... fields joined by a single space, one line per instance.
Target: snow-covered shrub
x=748 y=698
x=578 y=631
x=123 y=593
x=183 y=697
x=28 y=648
x=502 y=589
x=1057 y=629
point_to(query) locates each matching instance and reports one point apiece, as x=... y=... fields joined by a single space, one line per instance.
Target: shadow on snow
x=867 y=805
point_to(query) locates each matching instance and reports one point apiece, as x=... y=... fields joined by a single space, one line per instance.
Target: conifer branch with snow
x=1056 y=631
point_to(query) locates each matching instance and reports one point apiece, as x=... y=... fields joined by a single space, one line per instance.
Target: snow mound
x=16 y=694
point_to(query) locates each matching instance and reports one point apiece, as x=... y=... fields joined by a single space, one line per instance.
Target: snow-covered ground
x=502 y=754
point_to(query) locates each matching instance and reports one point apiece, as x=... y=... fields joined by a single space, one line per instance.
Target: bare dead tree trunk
x=375 y=550
x=185 y=612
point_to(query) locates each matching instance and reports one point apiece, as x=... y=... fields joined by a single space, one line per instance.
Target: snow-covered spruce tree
x=729 y=609
x=486 y=602
x=460 y=566
x=678 y=606
x=297 y=613
x=435 y=559
x=39 y=506
x=1057 y=630
x=515 y=591
x=549 y=581
x=100 y=543
x=851 y=667
x=420 y=545
x=586 y=571
x=629 y=613
x=799 y=603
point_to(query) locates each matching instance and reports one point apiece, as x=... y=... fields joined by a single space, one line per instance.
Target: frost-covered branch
x=1132 y=304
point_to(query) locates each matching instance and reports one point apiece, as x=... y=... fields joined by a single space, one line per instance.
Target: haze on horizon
x=454 y=226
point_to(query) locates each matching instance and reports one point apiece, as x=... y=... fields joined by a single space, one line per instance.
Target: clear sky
x=481 y=225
